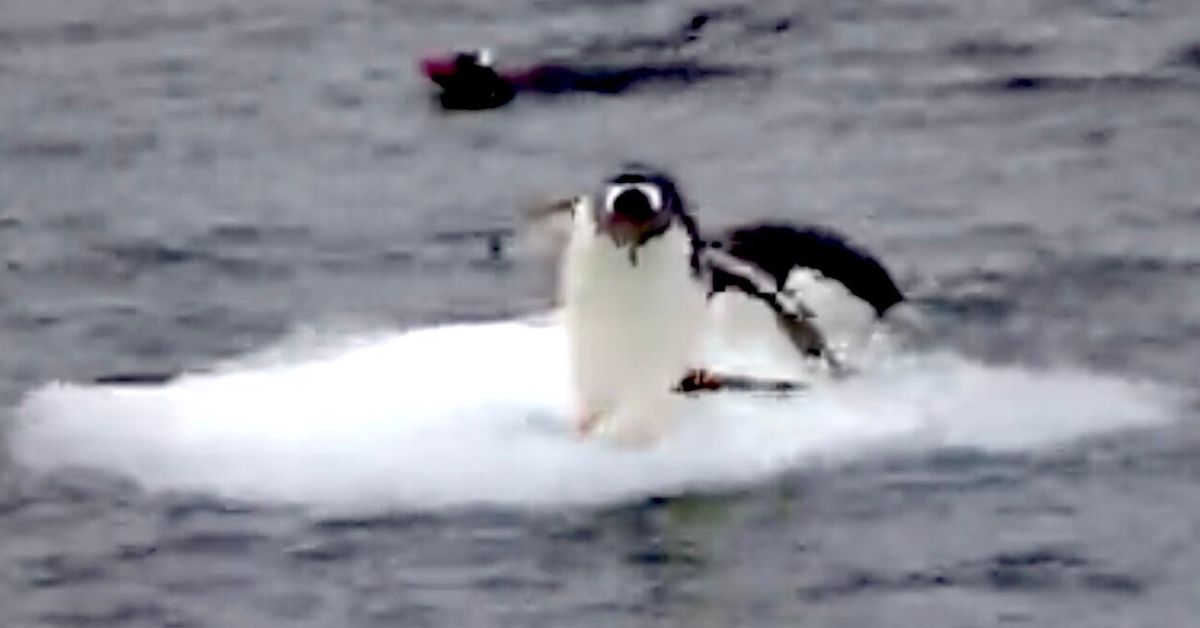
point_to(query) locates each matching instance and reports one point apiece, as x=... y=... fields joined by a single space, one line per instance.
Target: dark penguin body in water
x=469 y=80
x=644 y=293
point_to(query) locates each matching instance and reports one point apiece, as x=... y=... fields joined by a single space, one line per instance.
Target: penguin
x=634 y=303
x=825 y=294
x=470 y=80
x=648 y=299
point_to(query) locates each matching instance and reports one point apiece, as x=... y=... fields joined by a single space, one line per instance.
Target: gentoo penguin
x=469 y=80
x=823 y=293
x=634 y=303
x=644 y=293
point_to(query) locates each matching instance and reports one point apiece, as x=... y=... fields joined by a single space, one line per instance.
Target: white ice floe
x=479 y=414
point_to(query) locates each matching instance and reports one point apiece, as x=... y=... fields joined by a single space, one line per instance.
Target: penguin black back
x=777 y=249
x=469 y=82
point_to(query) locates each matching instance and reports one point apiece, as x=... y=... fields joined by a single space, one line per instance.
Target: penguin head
x=474 y=59
x=638 y=205
x=468 y=80
x=443 y=69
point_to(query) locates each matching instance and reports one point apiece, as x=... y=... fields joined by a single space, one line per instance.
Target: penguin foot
x=699 y=379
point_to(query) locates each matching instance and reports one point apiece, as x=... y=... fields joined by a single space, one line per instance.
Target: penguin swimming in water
x=644 y=293
x=470 y=79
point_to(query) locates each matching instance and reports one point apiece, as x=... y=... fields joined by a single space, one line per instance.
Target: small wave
x=1187 y=57
x=479 y=414
x=1091 y=85
x=1033 y=569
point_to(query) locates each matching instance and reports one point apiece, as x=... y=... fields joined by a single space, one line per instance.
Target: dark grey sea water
x=185 y=182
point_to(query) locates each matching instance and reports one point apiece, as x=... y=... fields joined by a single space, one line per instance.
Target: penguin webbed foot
x=696 y=380
x=702 y=380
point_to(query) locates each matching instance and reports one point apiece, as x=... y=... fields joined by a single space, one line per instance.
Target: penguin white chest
x=633 y=326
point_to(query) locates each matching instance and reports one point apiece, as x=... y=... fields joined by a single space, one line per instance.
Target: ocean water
x=264 y=199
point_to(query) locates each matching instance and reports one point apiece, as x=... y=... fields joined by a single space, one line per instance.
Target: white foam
x=469 y=414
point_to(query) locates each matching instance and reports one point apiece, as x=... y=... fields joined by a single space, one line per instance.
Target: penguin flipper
x=810 y=341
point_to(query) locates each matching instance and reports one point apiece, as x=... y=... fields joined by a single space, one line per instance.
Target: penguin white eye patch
x=484 y=57
x=651 y=192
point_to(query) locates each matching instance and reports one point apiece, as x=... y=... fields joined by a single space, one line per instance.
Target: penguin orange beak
x=625 y=230
x=438 y=69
